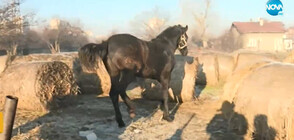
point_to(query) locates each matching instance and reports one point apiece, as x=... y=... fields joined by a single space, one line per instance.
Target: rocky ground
x=94 y=116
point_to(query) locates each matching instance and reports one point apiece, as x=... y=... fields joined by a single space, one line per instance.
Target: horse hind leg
x=166 y=115
x=165 y=85
x=114 y=98
x=129 y=103
x=126 y=77
x=119 y=85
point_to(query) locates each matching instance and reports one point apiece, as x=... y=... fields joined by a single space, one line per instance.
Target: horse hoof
x=132 y=115
x=121 y=125
x=167 y=118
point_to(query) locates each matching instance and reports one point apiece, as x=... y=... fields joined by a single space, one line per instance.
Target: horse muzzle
x=184 y=51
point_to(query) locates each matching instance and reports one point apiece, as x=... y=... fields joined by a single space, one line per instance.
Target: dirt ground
x=197 y=120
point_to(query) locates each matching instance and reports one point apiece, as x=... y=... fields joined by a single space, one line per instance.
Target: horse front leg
x=126 y=77
x=165 y=85
x=119 y=85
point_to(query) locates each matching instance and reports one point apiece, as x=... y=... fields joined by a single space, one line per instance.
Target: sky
x=103 y=16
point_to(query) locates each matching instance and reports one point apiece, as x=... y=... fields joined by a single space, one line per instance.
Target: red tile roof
x=255 y=27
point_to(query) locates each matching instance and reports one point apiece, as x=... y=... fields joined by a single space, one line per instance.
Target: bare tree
x=12 y=25
x=154 y=26
x=201 y=21
x=149 y=24
x=63 y=34
x=227 y=42
x=33 y=42
x=52 y=39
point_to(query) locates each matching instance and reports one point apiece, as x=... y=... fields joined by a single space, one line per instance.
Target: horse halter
x=183 y=42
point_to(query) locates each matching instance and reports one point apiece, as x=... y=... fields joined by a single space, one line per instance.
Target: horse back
x=127 y=51
x=148 y=59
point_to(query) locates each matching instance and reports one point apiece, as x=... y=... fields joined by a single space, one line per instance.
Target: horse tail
x=91 y=55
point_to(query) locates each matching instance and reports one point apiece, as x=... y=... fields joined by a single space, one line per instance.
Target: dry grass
x=39 y=85
x=208 y=72
x=90 y=83
x=267 y=94
x=55 y=81
x=3 y=60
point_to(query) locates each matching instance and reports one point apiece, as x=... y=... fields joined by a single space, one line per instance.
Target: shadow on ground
x=89 y=113
x=179 y=132
x=228 y=124
x=201 y=80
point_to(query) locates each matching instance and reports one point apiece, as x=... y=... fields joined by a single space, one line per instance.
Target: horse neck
x=171 y=43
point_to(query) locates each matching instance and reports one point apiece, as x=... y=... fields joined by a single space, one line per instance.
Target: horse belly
x=147 y=73
x=130 y=64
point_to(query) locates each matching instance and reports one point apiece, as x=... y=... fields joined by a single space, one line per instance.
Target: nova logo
x=274 y=7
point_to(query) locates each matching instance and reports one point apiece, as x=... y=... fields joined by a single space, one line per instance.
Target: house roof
x=255 y=27
x=290 y=30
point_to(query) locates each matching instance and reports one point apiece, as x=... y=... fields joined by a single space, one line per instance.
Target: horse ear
x=186 y=28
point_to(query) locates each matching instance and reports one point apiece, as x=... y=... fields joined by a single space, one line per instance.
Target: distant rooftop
x=259 y=27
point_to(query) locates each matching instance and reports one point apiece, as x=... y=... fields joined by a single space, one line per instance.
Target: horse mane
x=170 y=31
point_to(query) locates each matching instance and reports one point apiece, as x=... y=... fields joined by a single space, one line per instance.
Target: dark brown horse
x=127 y=57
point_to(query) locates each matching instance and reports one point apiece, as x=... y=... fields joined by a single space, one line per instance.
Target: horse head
x=178 y=36
x=182 y=41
